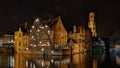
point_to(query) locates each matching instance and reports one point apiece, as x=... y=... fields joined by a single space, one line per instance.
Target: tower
x=92 y=24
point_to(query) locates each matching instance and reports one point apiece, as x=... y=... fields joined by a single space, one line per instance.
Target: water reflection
x=117 y=59
x=95 y=63
x=6 y=61
x=82 y=60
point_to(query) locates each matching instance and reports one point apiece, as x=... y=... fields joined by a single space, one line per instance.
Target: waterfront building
x=8 y=39
x=40 y=37
x=47 y=38
x=78 y=37
x=21 y=41
x=7 y=43
x=92 y=24
x=82 y=38
x=60 y=32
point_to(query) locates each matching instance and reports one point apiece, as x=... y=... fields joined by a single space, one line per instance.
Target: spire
x=59 y=18
x=25 y=24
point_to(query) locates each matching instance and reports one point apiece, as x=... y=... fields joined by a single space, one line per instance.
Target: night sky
x=15 y=12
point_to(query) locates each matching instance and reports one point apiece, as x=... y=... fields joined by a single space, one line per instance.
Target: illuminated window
x=48 y=31
x=46 y=26
x=30 y=30
x=33 y=26
x=40 y=42
x=38 y=30
x=31 y=44
x=34 y=45
x=42 y=27
x=32 y=36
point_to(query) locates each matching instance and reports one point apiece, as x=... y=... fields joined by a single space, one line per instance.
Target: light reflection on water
x=82 y=60
x=39 y=61
x=118 y=59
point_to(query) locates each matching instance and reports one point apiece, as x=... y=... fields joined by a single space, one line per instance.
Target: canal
x=82 y=60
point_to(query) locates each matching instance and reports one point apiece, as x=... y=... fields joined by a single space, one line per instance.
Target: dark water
x=82 y=60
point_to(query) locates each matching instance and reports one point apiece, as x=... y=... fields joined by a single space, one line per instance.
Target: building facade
x=60 y=33
x=78 y=37
x=8 y=39
x=82 y=39
x=42 y=37
x=21 y=41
